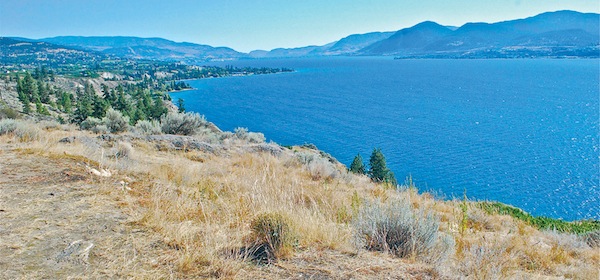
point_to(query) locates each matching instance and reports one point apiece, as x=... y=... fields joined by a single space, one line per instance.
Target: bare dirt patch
x=59 y=221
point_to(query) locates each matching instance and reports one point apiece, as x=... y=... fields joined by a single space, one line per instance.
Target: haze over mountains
x=552 y=34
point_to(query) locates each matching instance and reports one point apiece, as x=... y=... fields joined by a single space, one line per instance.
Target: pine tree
x=357 y=165
x=26 y=108
x=379 y=171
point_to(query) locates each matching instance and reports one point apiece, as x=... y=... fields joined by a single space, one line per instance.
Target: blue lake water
x=523 y=132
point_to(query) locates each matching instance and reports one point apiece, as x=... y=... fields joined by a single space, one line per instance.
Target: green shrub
x=115 y=121
x=398 y=229
x=272 y=237
x=181 y=123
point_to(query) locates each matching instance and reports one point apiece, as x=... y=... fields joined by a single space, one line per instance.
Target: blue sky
x=260 y=24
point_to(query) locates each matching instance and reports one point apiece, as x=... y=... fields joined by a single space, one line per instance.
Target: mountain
x=561 y=33
x=566 y=32
x=147 y=48
x=291 y=52
x=408 y=40
x=356 y=42
x=552 y=34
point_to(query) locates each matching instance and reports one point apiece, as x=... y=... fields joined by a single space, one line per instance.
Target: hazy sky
x=260 y=24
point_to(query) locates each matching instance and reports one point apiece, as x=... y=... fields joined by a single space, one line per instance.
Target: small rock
x=69 y=139
x=77 y=252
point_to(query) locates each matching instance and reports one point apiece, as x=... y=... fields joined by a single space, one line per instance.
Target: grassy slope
x=196 y=208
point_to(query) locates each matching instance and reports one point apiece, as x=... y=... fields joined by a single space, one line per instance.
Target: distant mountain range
x=552 y=34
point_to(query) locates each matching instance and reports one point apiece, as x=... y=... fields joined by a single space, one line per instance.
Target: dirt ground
x=59 y=221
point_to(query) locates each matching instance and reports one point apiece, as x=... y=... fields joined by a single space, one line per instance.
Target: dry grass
x=190 y=214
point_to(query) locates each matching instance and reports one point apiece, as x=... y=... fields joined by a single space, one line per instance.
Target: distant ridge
x=147 y=48
x=551 y=34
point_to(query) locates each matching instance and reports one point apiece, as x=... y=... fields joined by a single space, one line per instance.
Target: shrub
x=252 y=137
x=397 y=229
x=318 y=167
x=7 y=126
x=181 y=123
x=256 y=137
x=89 y=123
x=8 y=113
x=592 y=238
x=272 y=237
x=123 y=150
x=147 y=127
x=100 y=129
x=241 y=133
x=483 y=262
x=115 y=121
x=27 y=133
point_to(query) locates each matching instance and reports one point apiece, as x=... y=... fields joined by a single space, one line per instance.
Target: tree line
x=137 y=101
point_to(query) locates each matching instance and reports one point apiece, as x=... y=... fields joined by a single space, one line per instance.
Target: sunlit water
x=523 y=132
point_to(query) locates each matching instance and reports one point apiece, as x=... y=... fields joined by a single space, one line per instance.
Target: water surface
x=523 y=132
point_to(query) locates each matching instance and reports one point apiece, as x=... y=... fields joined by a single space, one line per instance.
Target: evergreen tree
x=158 y=109
x=379 y=171
x=357 y=165
x=43 y=92
x=26 y=108
x=180 y=105
x=28 y=86
x=41 y=109
x=83 y=108
x=99 y=107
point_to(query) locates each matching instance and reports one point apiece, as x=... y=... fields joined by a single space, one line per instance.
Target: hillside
x=16 y=52
x=146 y=206
x=147 y=48
x=552 y=34
x=147 y=202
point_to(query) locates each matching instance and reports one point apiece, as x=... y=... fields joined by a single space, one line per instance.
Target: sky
x=246 y=25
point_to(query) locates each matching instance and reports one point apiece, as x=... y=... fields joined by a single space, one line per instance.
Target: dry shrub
x=592 y=238
x=115 y=121
x=124 y=150
x=397 y=228
x=146 y=127
x=100 y=129
x=272 y=237
x=7 y=126
x=89 y=123
x=318 y=167
x=181 y=123
x=23 y=131
x=483 y=262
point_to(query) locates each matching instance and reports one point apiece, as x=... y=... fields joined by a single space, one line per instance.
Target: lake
x=524 y=132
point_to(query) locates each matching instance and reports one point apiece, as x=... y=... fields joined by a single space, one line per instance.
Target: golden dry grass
x=189 y=214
